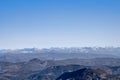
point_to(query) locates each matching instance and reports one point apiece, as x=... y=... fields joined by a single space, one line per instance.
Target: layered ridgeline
x=36 y=69
x=60 y=64
x=20 y=55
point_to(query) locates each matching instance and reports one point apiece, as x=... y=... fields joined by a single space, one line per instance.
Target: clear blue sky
x=59 y=23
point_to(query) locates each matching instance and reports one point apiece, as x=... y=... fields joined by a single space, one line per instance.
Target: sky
x=59 y=23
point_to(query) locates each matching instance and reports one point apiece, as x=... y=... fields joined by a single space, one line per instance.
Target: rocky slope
x=87 y=74
x=36 y=69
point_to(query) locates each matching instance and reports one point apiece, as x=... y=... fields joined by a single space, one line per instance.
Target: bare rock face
x=53 y=72
x=87 y=74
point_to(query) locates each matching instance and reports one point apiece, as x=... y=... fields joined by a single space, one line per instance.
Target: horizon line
x=59 y=47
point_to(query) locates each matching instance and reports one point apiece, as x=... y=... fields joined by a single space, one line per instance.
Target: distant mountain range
x=26 y=54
